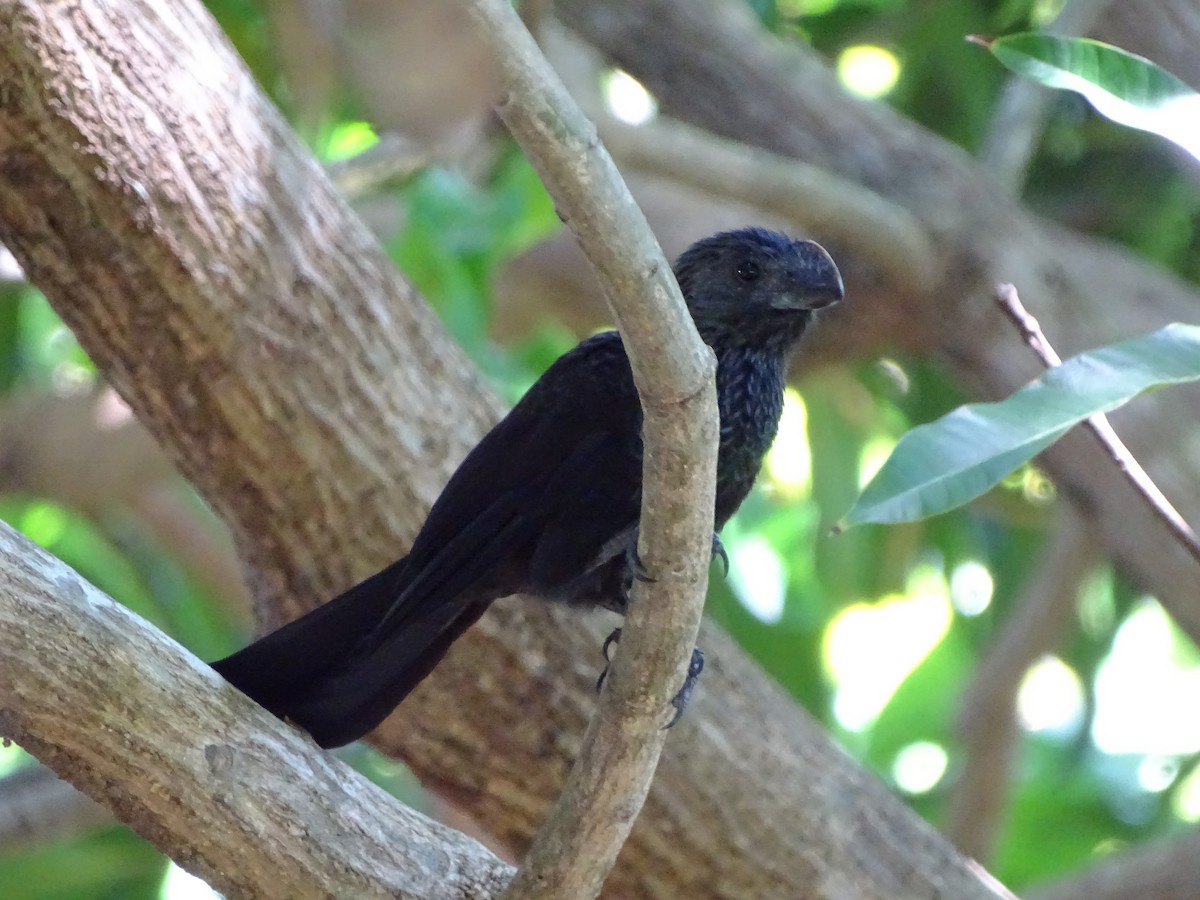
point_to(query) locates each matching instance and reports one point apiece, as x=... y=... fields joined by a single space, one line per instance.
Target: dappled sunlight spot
x=627 y=99
x=1108 y=847
x=919 y=766
x=1043 y=12
x=180 y=885
x=1177 y=119
x=870 y=648
x=793 y=9
x=1185 y=800
x=12 y=758
x=789 y=461
x=1097 y=608
x=971 y=587
x=1156 y=773
x=349 y=139
x=111 y=411
x=871 y=457
x=758 y=577
x=895 y=374
x=1051 y=698
x=43 y=523
x=69 y=379
x=1146 y=697
x=1037 y=488
x=868 y=70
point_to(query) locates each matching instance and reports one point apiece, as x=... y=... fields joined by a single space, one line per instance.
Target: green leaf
x=949 y=462
x=1123 y=87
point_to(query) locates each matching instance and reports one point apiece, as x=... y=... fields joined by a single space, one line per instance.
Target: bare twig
x=986 y=723
x=1010 y=303
x=576 y=847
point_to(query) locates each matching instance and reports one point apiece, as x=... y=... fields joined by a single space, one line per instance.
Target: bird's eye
x=748 y=270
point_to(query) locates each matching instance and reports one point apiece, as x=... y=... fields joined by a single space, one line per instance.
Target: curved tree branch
x=130 y=717
x=674 y=371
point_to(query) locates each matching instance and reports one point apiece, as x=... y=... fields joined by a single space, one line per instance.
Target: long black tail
x=333 y=672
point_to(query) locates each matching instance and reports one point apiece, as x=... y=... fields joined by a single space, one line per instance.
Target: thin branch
x=1010 y=303
x=986 y=723
x=674 y=371
x=106 y=700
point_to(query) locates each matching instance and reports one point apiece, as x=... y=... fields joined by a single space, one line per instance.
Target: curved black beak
x=817 y=281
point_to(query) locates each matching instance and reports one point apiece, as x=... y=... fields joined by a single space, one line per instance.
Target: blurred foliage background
x=875 y=631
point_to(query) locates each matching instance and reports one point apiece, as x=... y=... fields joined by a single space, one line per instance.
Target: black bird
x=548 y=502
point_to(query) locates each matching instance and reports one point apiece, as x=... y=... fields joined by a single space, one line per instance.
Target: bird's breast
x=750 y=399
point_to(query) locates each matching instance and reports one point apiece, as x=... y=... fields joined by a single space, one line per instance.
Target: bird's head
x=755 y=287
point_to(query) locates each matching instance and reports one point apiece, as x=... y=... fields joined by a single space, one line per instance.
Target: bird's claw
x=636 y=567
x=680 y=701
x=612 y=638
x=640 y=573
x=718 y=552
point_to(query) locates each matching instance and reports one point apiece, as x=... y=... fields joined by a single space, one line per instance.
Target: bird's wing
x=560 y=475
x=593 y=500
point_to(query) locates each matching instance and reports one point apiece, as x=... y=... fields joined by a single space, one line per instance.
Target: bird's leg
x=718 y=552
x=680 y=700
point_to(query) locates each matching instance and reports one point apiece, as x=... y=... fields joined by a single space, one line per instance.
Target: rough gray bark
x=230 y=792
x=574 y=850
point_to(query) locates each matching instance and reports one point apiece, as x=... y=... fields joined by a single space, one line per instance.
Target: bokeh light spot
x=868 y=71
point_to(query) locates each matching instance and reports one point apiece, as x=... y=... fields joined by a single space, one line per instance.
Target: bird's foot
x=718 y=552
x=612 y=638
x=680 y=701
x=635 y=570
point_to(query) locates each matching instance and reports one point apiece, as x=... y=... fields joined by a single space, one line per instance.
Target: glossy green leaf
x=949 y=462
x=1121 y=86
